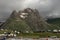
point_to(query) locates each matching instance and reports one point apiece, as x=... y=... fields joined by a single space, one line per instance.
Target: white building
x=55 y=30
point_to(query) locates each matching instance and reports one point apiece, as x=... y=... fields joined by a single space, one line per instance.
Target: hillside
x=14 y=22
x=55 y=22
x=28 y=20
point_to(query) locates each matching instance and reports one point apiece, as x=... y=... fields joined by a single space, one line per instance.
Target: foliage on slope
x=55 y=22
x=27 y=20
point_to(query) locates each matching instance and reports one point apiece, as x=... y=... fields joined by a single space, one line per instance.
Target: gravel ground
x=34 y=39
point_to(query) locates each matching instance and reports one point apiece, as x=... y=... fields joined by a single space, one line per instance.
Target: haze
x=47 y=8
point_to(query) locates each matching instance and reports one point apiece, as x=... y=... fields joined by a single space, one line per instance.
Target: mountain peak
x=26 y=20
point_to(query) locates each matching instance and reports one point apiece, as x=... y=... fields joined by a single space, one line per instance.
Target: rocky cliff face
x=26 y=20
x=34 y=20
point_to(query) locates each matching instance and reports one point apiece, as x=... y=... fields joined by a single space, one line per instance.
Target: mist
x=47 y=8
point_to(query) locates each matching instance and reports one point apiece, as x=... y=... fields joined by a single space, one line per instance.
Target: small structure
x=18 y=32
x=27 y=31
x=49 y=30
x=55 y=31
x=2 y=29
x=15 y=35
x=15 y=31
x=58 y=31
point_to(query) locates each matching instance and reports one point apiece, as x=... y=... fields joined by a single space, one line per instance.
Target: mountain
x=26 y=20
x=1 y=23
x=14 y=22
x=35 y=21
x=55 y=22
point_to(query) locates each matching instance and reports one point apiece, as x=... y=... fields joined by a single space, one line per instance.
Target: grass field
x=40 y=35
x=33 y=35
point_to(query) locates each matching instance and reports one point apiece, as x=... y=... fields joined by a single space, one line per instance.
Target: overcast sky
x=50 y=8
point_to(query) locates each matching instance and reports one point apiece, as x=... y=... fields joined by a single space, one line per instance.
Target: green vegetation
x=32 y=23
x=21 y=25
x=55 y=23
x=32 y=35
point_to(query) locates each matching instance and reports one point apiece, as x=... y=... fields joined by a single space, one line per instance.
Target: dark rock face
x=34 y=20
x=26 y=20
x=1 y=23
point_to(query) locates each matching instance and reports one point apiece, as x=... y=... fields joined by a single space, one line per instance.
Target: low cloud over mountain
x=50 y=8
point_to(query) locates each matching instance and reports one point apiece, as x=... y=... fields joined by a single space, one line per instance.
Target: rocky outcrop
x=35 y=21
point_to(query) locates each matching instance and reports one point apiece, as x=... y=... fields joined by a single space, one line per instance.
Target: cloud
x=45 y=7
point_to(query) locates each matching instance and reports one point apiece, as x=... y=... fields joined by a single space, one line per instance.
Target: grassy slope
x=54 y=22
x=21 y=25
